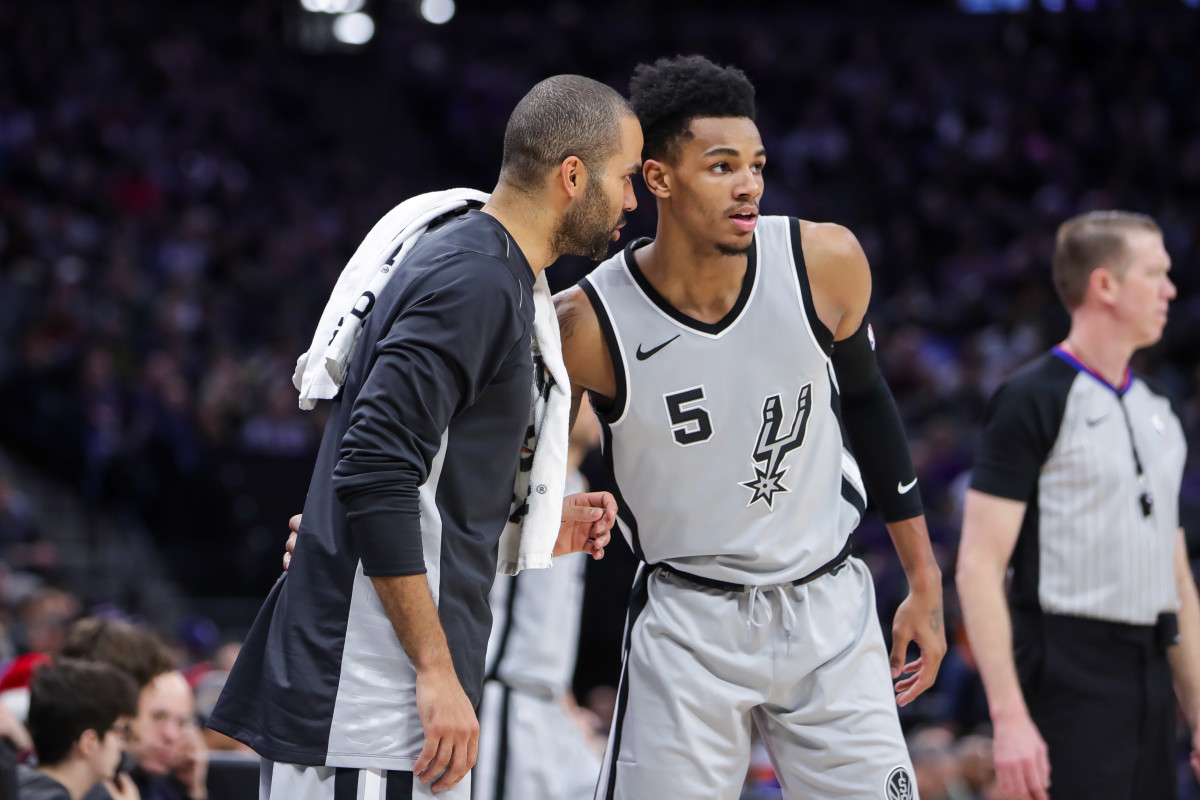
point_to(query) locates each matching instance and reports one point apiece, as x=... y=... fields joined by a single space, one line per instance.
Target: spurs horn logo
x=899 y=785
x=773 y=447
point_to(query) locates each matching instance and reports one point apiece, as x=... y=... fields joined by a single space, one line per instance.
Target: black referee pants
x=1101 y=695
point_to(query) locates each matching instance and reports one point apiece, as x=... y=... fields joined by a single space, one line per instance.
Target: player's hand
x=1022 y=759
x=123 y=788
x=919 y=619
x=290 y=547
x=587 y=522
x=451 y=729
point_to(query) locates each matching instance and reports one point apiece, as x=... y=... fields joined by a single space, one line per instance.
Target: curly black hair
x=668 y=94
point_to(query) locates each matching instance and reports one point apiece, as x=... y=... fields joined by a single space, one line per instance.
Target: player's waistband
x=832 y=565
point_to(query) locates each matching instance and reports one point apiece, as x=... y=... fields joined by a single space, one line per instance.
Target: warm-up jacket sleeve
x=447 y=342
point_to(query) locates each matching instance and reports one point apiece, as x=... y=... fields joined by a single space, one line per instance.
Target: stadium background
x=180 y=184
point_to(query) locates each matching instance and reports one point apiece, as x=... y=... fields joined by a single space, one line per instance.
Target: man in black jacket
x=79 y=715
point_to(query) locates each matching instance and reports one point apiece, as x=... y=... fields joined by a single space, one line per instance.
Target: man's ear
x=89 y=743
x=572 y=176
x=657 y=175
x=1104 y=284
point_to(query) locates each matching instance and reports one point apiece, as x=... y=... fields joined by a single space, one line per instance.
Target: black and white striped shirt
x=1061 y=439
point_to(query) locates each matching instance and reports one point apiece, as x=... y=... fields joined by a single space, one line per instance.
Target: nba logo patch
x=1160 y=427
x=899 y=785
x=871 y=335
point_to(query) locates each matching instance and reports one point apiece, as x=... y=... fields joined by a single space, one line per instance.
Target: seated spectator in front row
x=170 y=760
x=79 y=716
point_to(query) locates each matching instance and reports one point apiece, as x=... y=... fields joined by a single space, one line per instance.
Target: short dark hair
x=69 y=697
x=668 y=94
x=135 y=651
x=563 y=116
x=1091 y=240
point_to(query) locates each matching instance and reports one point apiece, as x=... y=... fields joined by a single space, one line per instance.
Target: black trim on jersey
x=510 y=603
x=639 y=595
x=623 y=510
x=345 y=784
x=502 y=747
x=677 y=315
x=850 y=494
x=617 y=408
x=823 y=334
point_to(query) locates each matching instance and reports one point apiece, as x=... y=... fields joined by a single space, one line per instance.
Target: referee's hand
x=1022 y=758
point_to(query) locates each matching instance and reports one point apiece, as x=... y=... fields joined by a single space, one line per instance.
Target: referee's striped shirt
x=1061 y=439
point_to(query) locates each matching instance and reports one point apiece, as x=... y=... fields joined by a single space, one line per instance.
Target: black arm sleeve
x=874 y=428
x=441 y=351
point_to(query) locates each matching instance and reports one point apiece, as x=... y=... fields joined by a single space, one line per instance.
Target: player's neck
x=1098 y=349
x=693 y=276
x=531 y=229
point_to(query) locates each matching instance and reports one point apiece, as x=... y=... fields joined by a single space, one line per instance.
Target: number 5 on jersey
x=690 y=423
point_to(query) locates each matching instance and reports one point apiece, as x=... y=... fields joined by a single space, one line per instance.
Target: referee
x=1076 y=487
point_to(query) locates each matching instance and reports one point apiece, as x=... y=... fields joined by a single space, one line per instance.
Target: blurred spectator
x=79 y=716
x=938 y=772
x=170 y=760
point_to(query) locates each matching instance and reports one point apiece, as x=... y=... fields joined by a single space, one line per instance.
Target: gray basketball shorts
x=530 y=748
x=278 y=781
x=805 y=665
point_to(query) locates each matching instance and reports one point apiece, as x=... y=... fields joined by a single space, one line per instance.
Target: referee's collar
x=1074 y=361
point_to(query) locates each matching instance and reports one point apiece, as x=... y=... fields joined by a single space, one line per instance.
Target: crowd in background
x=179 y=189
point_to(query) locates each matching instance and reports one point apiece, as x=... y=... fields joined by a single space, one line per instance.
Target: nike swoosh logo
x=643 y=355
x=903 y=488
x=1094 y=422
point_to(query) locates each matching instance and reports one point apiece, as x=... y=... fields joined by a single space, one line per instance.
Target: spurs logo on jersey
x=899 y=785
x=772 y=448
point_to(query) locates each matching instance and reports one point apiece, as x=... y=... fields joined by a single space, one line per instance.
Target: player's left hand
x=587 y=522
x=919 y=619
x=290 y=548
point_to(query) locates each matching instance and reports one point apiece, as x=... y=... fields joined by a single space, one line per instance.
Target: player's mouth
x=745 y=218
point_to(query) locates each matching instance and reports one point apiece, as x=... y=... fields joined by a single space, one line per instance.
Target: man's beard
x=734 y=249
x=585 y=229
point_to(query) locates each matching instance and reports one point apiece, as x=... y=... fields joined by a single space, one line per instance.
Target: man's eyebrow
x=723 y=150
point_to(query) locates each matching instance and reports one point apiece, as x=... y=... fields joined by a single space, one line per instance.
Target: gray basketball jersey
x=724 y=441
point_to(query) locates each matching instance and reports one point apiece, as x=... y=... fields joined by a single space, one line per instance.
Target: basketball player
x=744 y=419
x=531 y=743
x=360 y=675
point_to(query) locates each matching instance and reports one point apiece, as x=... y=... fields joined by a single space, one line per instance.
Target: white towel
x=321 y=371
x=536 y=514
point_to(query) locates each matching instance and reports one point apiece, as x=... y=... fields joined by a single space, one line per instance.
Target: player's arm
x=585 y=353
x=438 y=356
x=1184 y=656
x=991 y=525
x=841 y=286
